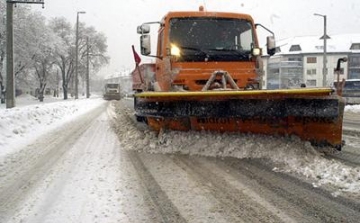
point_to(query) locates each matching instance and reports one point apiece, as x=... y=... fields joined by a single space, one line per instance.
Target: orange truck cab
x=191 y=46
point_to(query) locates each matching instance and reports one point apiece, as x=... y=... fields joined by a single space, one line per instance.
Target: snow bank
x=352 y=108
x=20 y=125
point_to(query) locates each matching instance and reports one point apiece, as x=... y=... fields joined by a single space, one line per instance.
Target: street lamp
x=76 y=54
x=325 y=38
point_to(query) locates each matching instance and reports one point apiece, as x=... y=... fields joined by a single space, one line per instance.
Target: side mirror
x=145 y=44
x=271 y=45
x=143 y=29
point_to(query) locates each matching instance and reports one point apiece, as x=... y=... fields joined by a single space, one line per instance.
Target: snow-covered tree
x=93 y=43
x=45 y=59
x=65 y=59
x=27 y=25
x=43 y=52
x=96 y=42
x=88 y=36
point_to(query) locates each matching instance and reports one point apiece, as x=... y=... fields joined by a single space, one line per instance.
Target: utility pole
x=87 y=69
x=77 y=54
x=10 y=76
x=324 y=54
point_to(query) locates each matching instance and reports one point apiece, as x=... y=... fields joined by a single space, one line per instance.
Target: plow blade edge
x=313 y=115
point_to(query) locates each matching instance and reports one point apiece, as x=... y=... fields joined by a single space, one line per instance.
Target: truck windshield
x=211 y=39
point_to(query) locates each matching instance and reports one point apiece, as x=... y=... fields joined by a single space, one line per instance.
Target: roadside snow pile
x=288 y=155
x=19 y=125
x=352 y=108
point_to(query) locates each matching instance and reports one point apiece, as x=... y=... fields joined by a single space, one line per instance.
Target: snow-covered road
x=73 y=174
x=102 y=167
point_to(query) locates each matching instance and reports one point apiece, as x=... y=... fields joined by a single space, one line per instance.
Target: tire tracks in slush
x=306 y=202
x=238 y=202
x=154 y=195
x=249 y=191
x=32 y=164
x=233 y=190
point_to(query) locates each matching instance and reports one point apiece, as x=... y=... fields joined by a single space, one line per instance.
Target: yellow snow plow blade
x=312 y=114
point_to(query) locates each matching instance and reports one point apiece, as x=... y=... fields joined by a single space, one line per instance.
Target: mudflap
x=314 y=118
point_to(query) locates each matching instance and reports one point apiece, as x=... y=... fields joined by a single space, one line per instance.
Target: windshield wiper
x=195 y=49
x=226 y=49
x=243 y=53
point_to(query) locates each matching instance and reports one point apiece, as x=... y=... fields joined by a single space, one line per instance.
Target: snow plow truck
x=207 y=75
x=112 y=91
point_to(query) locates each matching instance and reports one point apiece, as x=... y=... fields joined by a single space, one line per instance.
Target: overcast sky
x=118 y=19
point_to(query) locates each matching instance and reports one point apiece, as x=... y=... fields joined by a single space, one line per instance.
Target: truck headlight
x=256 y=51
x=175 y=51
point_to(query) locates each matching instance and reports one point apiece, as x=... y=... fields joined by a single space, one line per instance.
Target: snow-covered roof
x=340 y=43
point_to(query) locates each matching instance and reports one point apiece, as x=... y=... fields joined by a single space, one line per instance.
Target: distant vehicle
x=351 y=91
x=112 y=91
